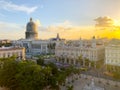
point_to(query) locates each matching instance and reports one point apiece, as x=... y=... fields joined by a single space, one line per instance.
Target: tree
x=21 y=75
x=92 y=63
x=27 y=75
x=8 y=72
x=53 y=68
x=30 y=76
x=40 y=60
x=87 y=62
x=80 y=60
x=116 y=75
x=70 y=87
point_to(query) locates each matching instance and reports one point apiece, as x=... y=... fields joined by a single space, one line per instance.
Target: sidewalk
x=81 y=82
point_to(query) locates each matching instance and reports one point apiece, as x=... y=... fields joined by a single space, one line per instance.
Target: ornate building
x=33 y=45
x=31 y=30
x=70 y=51
x=112 y=53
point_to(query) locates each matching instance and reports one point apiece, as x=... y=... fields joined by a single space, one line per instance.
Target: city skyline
x=72 y=19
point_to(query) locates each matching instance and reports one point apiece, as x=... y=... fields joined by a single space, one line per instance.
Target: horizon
x=72 y=19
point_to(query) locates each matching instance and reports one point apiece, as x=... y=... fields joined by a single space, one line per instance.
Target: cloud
x=16 y=29
x=72 y=32
x=66 y=23
x=9 y=6
x=107 y=23
x=54 y=28
x=68 y=31
x=107 y=27
x=38 y=23
x=104 y=22
x=42 y=29
x=61 y=27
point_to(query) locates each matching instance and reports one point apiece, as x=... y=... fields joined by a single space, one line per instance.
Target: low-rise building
x=112 y=53
x=6 y=52
x=5 y=41
x=70 y=51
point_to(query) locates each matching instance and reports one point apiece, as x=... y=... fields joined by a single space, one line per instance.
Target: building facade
x=31 y=43
x=6 y=52
x=112 y=53
x=33 y=47
x=92 y=50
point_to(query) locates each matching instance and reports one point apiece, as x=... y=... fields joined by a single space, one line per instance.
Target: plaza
x=84 y=80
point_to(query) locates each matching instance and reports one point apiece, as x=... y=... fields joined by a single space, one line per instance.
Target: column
x=41 y=47
x=65 y=60
x=46 y=48
x=69 y=61
x=74 y=61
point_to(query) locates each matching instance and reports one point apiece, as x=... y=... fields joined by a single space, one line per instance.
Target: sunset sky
x=72 y=19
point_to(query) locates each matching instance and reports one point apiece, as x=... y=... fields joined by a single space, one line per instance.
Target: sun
x=117 y=22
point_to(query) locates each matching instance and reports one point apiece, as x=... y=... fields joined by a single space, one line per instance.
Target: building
x=32 y=44
x=70 y=51
x=5 y=41
x=52 y=43
x=6 y=52
x=31 y=30
x=112 y=53
x=33 y=47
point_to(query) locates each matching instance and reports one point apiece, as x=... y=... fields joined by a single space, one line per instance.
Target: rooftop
x=9 y=48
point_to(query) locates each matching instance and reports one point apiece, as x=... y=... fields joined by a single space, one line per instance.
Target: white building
x=6 y=52
x=112 y=53
x=33 y=47
x=32 y=44
x=71 y=50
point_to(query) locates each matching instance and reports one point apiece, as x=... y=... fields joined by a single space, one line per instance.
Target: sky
x=72 y=19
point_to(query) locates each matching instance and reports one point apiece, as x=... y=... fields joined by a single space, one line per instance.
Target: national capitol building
x=32 y=44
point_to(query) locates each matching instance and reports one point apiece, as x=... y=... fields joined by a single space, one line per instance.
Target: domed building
x=33 y=45
x=31 y=30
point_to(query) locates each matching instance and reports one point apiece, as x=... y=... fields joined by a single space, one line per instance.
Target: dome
x=31 y=30
x=31 y=26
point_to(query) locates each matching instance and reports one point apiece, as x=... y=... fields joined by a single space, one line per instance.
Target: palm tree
x=87 y=62
x=80 y=60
